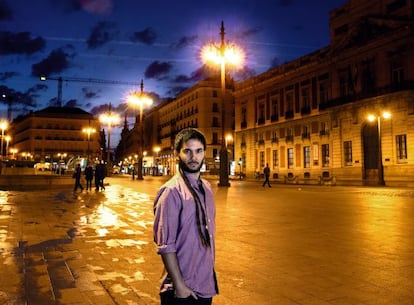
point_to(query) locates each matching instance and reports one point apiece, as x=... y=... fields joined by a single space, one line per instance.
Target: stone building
x=198 y=106
x=56 y=132
x=308 y=118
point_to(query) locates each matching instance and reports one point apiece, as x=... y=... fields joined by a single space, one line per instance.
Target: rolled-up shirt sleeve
x=167 y=207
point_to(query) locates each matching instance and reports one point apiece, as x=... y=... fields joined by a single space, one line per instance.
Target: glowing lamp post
x=8 y=139
x=373 y=118
x=222 y=55
x=3 y=126
x=13 y=152
x=109 y=119
x=139 y=100
x=89 y=131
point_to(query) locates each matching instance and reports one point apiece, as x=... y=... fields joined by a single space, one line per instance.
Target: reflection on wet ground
x=85 y=248
x=284 y=245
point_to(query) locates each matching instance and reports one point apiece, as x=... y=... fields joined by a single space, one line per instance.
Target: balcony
x=289 y=138
x=305 y=110
x=275 y=140
x=274 y=118
x=324 y=133
x=306 y=136
x=260 y=142
x=260 y=121
x=289 y=114
x=404 y=85
x=243 y=125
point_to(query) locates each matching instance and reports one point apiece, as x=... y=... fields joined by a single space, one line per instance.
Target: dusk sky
x=158 y=41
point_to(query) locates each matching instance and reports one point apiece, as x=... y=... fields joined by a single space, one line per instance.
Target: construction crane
x=82 y=80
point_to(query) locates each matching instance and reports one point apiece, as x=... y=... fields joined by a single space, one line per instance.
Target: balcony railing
x=401 y=86
x=289 y=138
x=289 y=114
x=274 y=118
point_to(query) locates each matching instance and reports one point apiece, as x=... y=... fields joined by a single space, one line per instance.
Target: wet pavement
x=281 y=245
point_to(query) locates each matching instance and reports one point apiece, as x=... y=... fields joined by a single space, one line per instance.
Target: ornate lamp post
x=372 y=118
x=13 y=151
x=110 y=118
x=221 y=55
x=88 y=131
x=3 y=126
x=139 y=100
x=8 y=139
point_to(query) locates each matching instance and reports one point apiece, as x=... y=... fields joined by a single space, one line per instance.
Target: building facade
x=200 y=107
x=55 y=133
x=308 y=118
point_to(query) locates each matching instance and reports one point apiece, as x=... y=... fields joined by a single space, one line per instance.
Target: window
x=348 y=153
x=397 y=74
x=274 y=113
x=315 y=148
x=305 y=132
x=306 y=156
x=274 y=136
x=289 y=105
x=215 y=138
x=306 y=107
x=401 y=148
x=261 y=113
x=323 y=92
x=290 y=157
x=215 y=93
x=325 y=155
x=324 y=129
x=215 y=152
x=215 y=122
x=262 y=160
x=275 y=157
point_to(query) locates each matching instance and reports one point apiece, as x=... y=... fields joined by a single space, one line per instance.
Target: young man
x=184 y=227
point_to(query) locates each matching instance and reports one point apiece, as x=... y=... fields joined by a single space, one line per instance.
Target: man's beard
x=187 y=169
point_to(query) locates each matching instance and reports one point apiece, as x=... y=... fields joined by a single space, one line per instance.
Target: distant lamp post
x=3 y=126
x=89 y=131
x=221 y=55
x=139 y=100
x=373 y=118
x=13 y=151
x=8 y=139
x=157 y=149
x=110 y=118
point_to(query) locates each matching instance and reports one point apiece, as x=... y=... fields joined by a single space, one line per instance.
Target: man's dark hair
x=188 y=134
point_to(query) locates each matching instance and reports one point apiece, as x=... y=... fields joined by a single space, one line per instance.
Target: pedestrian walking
x=184 y=227
x=77 y=175
x=89 y=177
x=266 y=172
x=100 y=174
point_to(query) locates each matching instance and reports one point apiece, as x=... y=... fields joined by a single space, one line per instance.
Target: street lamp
x=372 y=118
x=221 y=55
x=88 y=131
x=139 y=100
x=8 y=139
x=3 y=126
x=13 y=151
x=110 y=118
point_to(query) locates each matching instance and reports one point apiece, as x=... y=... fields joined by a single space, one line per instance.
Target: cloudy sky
x=158 y=41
